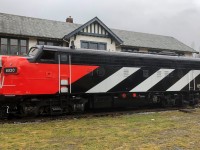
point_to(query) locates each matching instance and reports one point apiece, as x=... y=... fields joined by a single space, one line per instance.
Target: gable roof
x=34 y=27
x=90 y=22
x=42 y=28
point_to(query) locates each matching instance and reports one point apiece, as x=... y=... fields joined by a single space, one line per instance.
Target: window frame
x=48 y=61
x=22 y=46
x=94 y=42
x=18 y=45
x=13 y=45
x=4 y=44
x=55 y=43
x=130 y=50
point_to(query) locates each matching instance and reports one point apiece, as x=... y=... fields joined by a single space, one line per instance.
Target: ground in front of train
x=160 y=130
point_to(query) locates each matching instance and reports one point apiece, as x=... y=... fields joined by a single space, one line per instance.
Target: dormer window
x=51 y=43
x=93 y=45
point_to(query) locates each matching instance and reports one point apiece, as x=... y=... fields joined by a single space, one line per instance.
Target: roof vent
x=69 y=19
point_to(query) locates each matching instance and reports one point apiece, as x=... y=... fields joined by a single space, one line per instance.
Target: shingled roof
x=34 y=27
x=42 y=28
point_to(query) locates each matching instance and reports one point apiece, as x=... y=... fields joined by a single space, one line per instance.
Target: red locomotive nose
x=1 y=64
x=3 y=60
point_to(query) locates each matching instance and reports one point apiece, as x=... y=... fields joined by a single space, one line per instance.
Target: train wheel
x=44 y=110
x=178 y=102
x=3 y=112
x=70 y=110
x=163 y=103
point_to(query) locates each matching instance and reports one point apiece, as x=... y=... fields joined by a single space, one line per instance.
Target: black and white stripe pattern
x=152 y=80
x=92 y=79
x=132 y=79
x=170 y=80
x=113 y=80
x=184 y=81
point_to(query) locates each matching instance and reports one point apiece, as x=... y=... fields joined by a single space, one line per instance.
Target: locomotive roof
x=122 y=54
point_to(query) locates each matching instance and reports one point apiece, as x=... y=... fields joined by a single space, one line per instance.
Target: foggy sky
x=176 y=18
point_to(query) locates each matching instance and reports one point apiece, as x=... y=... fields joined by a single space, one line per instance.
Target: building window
x=170 y=53
x=85 y=45
x=51 y=43
x=130 y=50
x=23 y=46
x=93 y=45
x=102 y=46
x=4 y=46
x=12 y=46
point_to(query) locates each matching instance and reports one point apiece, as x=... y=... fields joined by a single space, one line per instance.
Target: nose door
x=64 y=73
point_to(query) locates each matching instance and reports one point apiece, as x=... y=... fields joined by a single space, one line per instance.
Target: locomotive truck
x=57 y=80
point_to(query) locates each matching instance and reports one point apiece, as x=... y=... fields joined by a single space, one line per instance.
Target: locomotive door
x=194 y=82
x=64 y=73
x=191 y=80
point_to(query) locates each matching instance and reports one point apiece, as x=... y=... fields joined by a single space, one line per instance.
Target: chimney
x=69 y=19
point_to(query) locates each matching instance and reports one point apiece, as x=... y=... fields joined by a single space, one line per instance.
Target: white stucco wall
x=77 y=42
x=32 y=42
x=110 y=46
x=188 y=54
x=118 y=49
x=143 y=50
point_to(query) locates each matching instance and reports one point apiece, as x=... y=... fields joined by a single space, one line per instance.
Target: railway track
x=91 y=114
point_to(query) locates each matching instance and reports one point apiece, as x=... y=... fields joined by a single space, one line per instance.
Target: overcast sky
x=177 y=18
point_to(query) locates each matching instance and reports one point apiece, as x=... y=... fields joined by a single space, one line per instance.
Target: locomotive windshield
x=33 y=52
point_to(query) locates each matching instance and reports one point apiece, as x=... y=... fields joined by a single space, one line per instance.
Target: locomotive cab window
x=48 y=57
x=33 y=52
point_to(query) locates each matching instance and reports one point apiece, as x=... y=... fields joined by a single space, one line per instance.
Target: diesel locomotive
x=58 y=80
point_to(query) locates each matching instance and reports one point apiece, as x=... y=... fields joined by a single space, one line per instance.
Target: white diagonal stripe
x=113 y=80
x=180 y=84
x=152 y=80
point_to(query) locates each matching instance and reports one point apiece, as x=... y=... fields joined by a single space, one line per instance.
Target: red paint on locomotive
x=37 y=78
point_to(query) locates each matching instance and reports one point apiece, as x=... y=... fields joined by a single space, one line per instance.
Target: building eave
x=29 y=36
x=158 y=49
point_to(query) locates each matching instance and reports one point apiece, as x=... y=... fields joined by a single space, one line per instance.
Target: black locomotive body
x=128 y=80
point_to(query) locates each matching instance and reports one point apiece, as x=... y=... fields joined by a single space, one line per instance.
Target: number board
x=10 y=70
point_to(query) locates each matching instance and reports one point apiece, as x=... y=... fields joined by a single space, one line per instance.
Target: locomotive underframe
x=67 y=104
